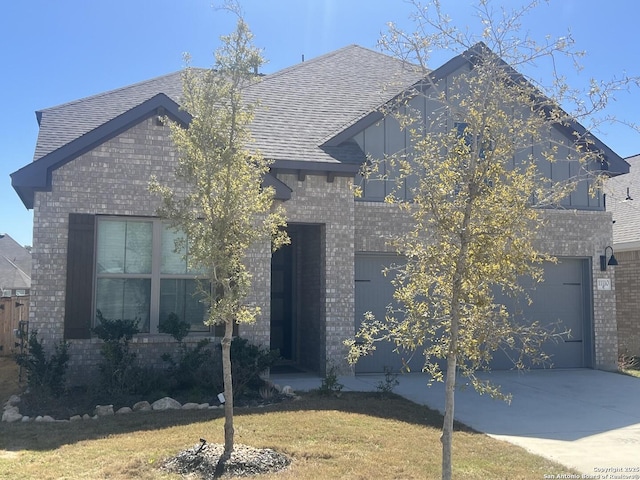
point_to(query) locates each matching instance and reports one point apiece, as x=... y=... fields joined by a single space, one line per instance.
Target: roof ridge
x=325 y=56
x=298 y=65
x=110 y=92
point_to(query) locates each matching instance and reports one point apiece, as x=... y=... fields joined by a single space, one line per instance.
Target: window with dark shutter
x=79 y=290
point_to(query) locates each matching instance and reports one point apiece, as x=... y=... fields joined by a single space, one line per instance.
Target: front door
x=282 y=301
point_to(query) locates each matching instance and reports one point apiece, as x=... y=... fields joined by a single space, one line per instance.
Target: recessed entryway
x=297 y=297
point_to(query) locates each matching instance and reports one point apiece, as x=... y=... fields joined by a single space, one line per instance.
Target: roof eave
x=318 y=168
x=37 y=175
x=613 y=164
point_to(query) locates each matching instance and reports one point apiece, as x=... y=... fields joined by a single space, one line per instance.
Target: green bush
x=199 y=368
x=175 y=327
x=117 y=368
x=195 y=367
x=45 y=376
x=390 y=381
x=248 y=361
x=330 y=384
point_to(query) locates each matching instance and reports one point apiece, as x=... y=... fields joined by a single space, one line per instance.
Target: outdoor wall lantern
x=603 y=259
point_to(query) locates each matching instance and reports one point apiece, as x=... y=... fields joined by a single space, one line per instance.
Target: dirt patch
x=8 y=378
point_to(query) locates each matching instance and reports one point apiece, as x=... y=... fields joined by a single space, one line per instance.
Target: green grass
x=356 y=436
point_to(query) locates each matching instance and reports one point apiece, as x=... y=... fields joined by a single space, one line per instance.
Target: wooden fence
x=13 y=310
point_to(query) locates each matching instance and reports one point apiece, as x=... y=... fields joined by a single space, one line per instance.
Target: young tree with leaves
x=223 y=209
x=477 y=198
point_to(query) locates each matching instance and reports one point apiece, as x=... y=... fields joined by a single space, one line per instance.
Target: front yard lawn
x=354 y=436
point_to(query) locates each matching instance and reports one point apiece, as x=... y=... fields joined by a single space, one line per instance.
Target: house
x=15 y=267
x=15 y=285
x=623 y=201
x=99 y=246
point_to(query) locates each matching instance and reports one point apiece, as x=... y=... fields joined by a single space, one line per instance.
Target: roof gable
x=64 y=123
x=307 y=117
x=37 y=175
x=572 y=129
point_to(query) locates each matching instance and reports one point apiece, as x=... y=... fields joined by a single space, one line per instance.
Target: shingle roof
x=307 y=116
x=15 y=264
x=623 y=200
x=300 y=105
x=308 y=103
x=64 y=123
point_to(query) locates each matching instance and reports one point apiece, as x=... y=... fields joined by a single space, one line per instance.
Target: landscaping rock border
x=11 y=412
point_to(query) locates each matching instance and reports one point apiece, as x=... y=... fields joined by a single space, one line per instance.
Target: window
x=484 y=143
x=139 y=275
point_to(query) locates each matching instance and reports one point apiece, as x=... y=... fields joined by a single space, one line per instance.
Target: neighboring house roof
x=623 y=200
x=307 y=116
x=15 y=264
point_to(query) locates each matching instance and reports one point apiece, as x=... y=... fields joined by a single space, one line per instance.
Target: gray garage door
x=562 y=298
x=563 y=302
x=373 y=293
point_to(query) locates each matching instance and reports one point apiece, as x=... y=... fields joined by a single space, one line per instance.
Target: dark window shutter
x=79 y=292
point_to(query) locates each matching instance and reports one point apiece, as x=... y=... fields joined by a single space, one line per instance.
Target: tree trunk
x=452 y=352
x=447 y=427
x=228 y=389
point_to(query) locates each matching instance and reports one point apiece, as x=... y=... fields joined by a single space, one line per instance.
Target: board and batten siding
x=386 y=138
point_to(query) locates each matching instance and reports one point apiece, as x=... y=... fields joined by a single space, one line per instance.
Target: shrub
x=389 y=383
x=248 y=361
x=175 y=327
x=330 y=384
x=116 y=370
x=199 y=368
x=628 y=362
x=195 y=367
x=44 y=376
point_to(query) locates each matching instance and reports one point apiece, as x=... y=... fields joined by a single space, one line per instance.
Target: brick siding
x=112 y=179
x=628 y=302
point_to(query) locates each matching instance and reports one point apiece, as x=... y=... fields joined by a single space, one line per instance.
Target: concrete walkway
x=588 y=420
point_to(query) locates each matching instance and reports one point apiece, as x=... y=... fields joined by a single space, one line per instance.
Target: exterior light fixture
x=603 y=259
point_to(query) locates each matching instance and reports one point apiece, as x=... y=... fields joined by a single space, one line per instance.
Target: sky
x=53 y=52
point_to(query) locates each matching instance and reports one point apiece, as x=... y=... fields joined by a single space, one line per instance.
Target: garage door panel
x=561 y=302
x=374 y=293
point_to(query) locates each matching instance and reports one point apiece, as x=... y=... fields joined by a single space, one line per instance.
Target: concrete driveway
x=588 y=420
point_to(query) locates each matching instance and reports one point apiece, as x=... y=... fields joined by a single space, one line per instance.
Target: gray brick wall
x=628 y=302
x=112 y=180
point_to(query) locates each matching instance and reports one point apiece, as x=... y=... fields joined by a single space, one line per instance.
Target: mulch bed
x=204 y=461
